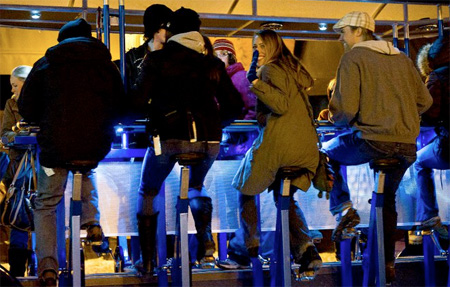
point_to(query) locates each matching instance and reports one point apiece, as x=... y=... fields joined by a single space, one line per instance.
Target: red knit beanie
x=224 y=44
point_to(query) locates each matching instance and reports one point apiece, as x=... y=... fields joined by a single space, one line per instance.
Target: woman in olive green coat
x=287 y=138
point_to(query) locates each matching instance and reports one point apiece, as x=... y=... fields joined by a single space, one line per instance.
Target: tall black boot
x=17 y=261
x=147 y=239
x=201 y=208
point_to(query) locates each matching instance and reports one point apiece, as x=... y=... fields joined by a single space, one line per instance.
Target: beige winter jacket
x=288 y=138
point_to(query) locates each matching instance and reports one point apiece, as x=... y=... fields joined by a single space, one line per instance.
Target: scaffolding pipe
x=406 y=29
x=440 y=21
x=106 y=23
x=85 y=7
x=98 y=23
x=122 y=38
x=395 y=35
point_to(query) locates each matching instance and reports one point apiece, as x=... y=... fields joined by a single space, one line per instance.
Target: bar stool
x=182 y=277
x=375 y=258
x=280 y=267
x=75 y=272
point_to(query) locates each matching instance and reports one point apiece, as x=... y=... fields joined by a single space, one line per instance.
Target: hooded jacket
x=239 y=78
x=73 y=94
x=379 y=93
x=183 y=86
x=287 y=136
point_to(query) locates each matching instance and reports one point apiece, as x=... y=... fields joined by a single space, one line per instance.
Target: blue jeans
x=155 y=169
x=428 y=158
x=298 y=227
x=51 y=189
x=349 y=149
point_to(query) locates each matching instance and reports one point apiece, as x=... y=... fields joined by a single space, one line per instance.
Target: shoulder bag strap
x=19 y=168
x=33 y=168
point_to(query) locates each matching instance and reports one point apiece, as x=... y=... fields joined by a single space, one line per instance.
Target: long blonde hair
x=277 y=52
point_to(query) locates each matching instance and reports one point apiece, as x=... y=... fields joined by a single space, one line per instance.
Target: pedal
x=265 y=262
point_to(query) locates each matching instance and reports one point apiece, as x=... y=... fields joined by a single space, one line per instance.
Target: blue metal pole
x=162 y=239
x=440 y=20
x=346 y=262
x=428 y=260
x=257 y=266
x=395 y=35
x=122 y=38
x=406 y=29
x=106 y=23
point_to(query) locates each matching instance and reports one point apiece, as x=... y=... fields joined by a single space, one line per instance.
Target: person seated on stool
x=18 y=252
x=380 y=95
x=73 y=94
x=287 y=138
x=189 y=95
x=434 y=65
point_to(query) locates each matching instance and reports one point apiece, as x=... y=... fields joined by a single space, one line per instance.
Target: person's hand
x=251 y=74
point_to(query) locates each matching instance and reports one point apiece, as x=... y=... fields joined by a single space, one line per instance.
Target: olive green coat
x=288 y=137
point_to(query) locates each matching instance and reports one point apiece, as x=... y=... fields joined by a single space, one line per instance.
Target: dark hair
x=156 y=16
x=184 y=20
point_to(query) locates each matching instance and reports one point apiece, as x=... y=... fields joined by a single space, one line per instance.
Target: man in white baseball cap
x=379 y=94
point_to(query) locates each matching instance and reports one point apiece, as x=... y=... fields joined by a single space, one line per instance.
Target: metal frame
x=214 y=25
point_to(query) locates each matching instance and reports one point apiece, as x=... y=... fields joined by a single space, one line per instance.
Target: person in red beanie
x=224 y=50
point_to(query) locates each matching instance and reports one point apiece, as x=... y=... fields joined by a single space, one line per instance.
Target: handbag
x=16 y=209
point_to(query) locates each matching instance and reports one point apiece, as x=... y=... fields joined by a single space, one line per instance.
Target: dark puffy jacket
x=185 y=86
x=73 y=94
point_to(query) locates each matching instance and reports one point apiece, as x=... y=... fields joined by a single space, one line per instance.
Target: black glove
x=251 y=74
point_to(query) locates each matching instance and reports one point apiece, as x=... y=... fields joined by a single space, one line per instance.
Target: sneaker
x=207 y=262
x=310 y=263
x=228 y=264
x=49 y=278
x=345 y=226
x=95 y=234
x=435 y=224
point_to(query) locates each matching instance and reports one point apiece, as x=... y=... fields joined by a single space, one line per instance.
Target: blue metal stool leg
x=346 y=262
x=375 y=258
x=75 y=226
x=162 y=242
x=258 y=276
x=428 y=259
x=182 y=233
x=281 y=267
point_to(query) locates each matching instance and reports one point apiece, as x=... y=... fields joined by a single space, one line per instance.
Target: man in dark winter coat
x=155 y=20
x=73 y=94
x=190 y=96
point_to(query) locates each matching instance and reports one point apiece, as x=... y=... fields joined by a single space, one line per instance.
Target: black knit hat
x=75 y=28
x=184 y=20
x=156 y=17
